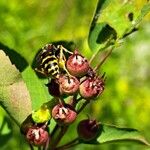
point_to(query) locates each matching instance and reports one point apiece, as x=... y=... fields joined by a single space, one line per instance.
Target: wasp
x=51 y=60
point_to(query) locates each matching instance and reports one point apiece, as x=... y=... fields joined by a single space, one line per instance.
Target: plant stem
x=69 y=144
x=73 y=101
x=97 y=52
x=45 y=147
x=39 y=148
x=31 y=147
x=80 y=98
x=83 y=106
x=54 y=130
x=59 y=137
x=103 y=60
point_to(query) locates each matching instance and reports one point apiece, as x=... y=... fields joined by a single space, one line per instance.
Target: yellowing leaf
x=14 y=96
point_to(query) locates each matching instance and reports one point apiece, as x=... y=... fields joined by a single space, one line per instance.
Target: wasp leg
x=64 y=49
x=62 y=61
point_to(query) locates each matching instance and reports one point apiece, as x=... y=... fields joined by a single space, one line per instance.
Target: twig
x=59 y=137
x=95 y=54
x=39 y=148
x=69 y=144
x=45 y=147
x=103 y=60
x=73 y=101
x=54 y=130
x=31 y=147
x=83 y=106
x=80 y=98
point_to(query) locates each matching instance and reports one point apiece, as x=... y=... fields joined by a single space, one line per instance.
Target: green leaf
x=14 y=96
x=5 y=130
x=38 y=90
x=110 y=134
x=113 y=20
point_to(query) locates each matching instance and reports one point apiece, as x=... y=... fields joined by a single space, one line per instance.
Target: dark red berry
x=77 y=65
x=91 y=87
x=88 y=129
x=37 y=136
x=68 y=84
x=27 y=123
x=53 y=88
x=63 y=115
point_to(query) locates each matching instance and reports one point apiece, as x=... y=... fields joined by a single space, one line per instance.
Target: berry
x=63 y=115
x=37 y=136
x=77 y=65
x=42 y=115
x=53 y=88
x=87 y=129
x=68 y=84
x=91 y=87
x=27 y=123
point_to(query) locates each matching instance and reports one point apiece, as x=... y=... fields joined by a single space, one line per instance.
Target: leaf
x=15 y=57
x=113 y=20
x=38 y=91
x=14 y=96
x=5 y=131
x=110 y=134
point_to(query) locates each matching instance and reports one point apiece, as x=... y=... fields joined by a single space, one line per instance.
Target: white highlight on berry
x=36 y=133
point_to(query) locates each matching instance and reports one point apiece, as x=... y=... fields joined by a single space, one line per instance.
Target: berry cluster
x=77 y=82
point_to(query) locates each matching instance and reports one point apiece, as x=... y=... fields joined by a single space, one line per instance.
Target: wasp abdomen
x=50 y=65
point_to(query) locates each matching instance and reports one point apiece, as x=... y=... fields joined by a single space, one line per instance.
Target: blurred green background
x=25 y=26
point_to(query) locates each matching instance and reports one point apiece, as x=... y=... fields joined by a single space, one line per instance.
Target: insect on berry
x=51 y=59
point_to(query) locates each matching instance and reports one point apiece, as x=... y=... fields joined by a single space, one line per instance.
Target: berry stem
x=80 y=98
x=47 y=144
x=59 y=137
x=95 y=54
x=69 y=144
x=83 y=106
x=73 y=101
x=54 y=130
x=39 y=148
x=31 y=147
x=104 y=59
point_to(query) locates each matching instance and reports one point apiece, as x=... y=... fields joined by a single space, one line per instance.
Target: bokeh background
x=25 y=26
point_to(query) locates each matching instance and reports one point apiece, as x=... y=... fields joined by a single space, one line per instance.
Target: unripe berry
x=37 y=136
x=88 y=129
x=63 y=115
x=77 y=65
x=42 y=115
x=68 y=84
x=91 y=87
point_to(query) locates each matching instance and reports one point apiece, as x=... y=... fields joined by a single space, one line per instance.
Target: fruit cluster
x=79 y=82
x=81 y=79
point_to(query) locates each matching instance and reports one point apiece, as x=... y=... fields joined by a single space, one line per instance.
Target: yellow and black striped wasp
x=51 y=60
